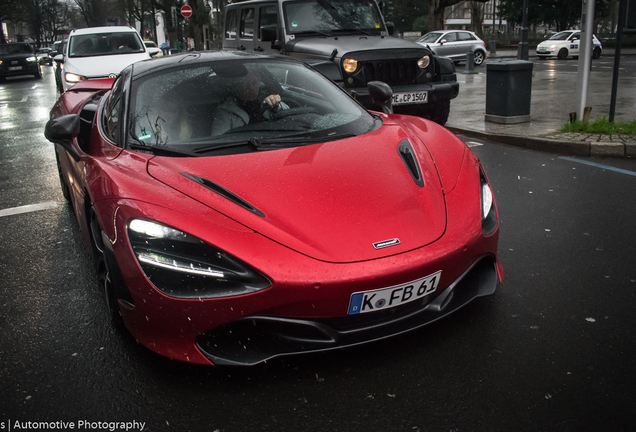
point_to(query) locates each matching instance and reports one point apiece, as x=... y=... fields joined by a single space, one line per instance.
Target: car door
x=247 y=29
x=448 y=48
x=465 y=43
x=230 y=39
x=267 y=17
x=573 y=43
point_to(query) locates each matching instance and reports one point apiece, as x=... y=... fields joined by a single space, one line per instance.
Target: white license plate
x=410 y=98
x=15 y=68
x=371 y=301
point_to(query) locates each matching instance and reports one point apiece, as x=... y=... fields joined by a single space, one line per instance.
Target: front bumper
x=256 y=339
x=29 y=68
x=437 y=92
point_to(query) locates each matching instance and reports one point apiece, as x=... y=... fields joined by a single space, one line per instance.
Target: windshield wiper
x=274 y=143
x=354 y=30
x=160 y=150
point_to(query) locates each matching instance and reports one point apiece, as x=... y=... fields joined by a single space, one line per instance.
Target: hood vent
x=225 y=193
x=410 y=160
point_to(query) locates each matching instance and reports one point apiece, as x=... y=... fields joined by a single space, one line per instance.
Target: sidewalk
x=553 y=98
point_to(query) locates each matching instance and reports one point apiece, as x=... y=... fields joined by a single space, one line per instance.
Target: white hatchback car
x=566 y=44
x=99 y=52
x=455 y=44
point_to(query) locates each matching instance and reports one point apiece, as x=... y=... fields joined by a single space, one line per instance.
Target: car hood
x=330 y=201
x=324 y=46
x=101 y=66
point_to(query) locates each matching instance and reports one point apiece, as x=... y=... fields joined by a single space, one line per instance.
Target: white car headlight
x=73 y=78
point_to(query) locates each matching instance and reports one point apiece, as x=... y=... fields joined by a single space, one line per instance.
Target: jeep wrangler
x=350 y=43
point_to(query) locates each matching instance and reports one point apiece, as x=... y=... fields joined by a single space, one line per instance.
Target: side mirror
x=59 y=58
x=269 y=33
x=442 y=42
x=381 y=95
x=62 y=130
x=390 y=27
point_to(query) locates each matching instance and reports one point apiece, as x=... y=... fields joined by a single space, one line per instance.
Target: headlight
x=552 y=47
x=73 y=78
x=350 y=65
x=488 y=212
x=424 y=62
x=31 y=58
x=183 y=266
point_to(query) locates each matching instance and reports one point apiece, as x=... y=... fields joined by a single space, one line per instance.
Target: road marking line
x=473 y=144
x=605 y=167
x=28 y=208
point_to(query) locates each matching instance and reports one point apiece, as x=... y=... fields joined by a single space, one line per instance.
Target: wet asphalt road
x=552 y=350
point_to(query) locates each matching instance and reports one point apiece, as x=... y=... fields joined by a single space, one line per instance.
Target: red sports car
x=243 y=207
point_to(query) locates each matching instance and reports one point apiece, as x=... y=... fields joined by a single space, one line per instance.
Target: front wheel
x=563 y=54
x=107 y=272
x=596 y=54
x=38 y=74
x=436 y=111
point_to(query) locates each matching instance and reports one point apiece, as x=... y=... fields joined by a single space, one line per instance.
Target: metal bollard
x=470 y=63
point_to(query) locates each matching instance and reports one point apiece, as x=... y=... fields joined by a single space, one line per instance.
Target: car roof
x=156 y=64
x=104 y=29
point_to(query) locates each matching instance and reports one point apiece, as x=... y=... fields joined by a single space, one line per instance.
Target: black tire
x=563 y=54
x=542 y=57
x=436 y=111
x=480 y=56
x=108 y=272
x=66 y=192
x=38 y=74
x=596 y=54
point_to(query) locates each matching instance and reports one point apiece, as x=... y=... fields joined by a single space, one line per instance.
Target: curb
x=562 y=147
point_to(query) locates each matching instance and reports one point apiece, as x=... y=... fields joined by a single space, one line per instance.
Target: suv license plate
x=13 y=68
x=371 y=301
x=410 y=98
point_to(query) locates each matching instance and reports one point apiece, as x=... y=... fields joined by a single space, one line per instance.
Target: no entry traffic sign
x=186 y=11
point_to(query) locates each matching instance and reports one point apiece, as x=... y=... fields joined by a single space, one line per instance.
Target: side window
x=230 y=24
x=451 y=37
x=114 y=118
x=268 y=16
x=247 y=23
x=465 y=36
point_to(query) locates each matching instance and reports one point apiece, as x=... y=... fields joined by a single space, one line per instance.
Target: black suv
x=350 y=43
x=18 y=59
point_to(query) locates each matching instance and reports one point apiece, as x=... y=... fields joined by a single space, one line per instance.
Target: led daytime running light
x=172 y=264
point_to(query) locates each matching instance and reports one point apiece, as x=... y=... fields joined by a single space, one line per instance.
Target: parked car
x=99 y=52
x=58 y=66
x=566 y=44
x=349 y=41
x=153 y=49
x=455 y=44
x=18 y=58
x=44 y=56
x=241 y=207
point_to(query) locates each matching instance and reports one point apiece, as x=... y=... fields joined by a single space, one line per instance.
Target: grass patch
x=600 y=126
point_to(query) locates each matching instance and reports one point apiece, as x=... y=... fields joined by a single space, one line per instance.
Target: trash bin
x=508 y=91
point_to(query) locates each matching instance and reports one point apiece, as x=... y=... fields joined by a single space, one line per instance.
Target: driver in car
x=244 y=107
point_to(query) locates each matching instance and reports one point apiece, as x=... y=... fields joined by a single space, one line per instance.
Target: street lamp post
x=493 y=38
x=522 y=51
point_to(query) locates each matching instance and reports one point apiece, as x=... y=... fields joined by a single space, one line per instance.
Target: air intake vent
x=410 y=160
x=224 y=193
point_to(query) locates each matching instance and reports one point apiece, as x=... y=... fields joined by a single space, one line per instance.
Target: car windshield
x=561 y=36
x=223 y=105
x=430 y=37
x=325 y=16
x=101 y=44
x=9 y=49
